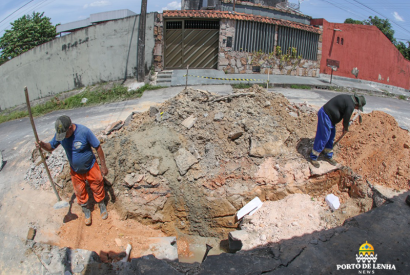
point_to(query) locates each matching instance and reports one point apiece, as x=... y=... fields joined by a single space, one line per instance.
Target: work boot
x=315 y=163
x=87 y=214
x=103 y=210
x=331 y=161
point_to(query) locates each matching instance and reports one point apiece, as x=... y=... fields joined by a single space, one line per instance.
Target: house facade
x=362 y=52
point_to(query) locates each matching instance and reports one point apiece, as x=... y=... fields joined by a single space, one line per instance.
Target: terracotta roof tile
x=201 y=14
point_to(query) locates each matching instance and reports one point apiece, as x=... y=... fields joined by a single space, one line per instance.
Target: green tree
x=26 y=33
x=405 y=51
x=352 y=21
x=383 y=25
x=3 y=60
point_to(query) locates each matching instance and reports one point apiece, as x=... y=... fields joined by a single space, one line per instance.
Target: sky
x=65 y=11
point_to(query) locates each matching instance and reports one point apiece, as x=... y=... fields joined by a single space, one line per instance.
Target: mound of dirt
x=377 y=149
x=187 y=166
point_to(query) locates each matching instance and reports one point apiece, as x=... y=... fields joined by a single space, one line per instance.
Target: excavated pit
x=187 y=166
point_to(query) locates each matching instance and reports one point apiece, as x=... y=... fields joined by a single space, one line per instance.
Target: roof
x=95 y=18
x=212 y=14
x=246 y=3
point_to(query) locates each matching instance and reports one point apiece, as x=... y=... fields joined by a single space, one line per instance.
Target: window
x=337 y=40
x=341 y=42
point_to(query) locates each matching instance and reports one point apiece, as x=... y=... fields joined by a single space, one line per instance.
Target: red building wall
x=366 y=48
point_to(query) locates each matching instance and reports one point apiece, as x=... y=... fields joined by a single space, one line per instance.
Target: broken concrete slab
x=153 y=111
x=189 y=121
x=1 y=161
x=184 y=160
x=113 y=127
x=324 y=168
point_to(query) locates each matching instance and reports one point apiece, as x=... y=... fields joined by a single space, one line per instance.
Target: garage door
x=191 y=42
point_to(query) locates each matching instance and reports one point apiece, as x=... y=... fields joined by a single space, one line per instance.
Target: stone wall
x=236 y=62
x=159 y=42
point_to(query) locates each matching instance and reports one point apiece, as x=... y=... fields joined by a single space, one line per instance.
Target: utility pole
x=141 y=42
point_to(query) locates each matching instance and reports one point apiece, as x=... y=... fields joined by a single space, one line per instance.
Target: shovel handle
x=337 y=141
x=39 y=148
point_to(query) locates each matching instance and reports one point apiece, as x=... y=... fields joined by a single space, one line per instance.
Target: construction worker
x=338 y=108
x=77 y=141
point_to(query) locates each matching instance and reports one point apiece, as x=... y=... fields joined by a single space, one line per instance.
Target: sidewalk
x=216 y=77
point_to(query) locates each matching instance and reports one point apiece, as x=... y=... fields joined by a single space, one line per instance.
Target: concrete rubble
x=37 y=177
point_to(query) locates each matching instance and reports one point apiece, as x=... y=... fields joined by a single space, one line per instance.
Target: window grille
x=203 y=25
x=254 y=36
x=305 y=42
x=174 y=25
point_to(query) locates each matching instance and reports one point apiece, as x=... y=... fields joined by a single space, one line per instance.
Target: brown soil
x=108 y=237
x=377 y=149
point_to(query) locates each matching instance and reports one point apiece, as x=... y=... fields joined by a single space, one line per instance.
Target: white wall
x=85 y=57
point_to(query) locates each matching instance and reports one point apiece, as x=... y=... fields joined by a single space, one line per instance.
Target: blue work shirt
x=78 y=148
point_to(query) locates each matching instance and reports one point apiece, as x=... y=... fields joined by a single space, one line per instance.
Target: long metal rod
x=39 y=148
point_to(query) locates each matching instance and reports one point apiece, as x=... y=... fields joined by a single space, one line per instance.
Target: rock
x=189 y=121
x=267 y=104
x=129 y=180
x=235 y=135
x=118 y=242
x=218 y=116
x=184 y=160
x=153 y=168
x=128 y=119
x=236 y=239
x=153 y=111
x=332 y=201
x=269 y=146
x=31 y=233
x=78 y=268
x=293 y=114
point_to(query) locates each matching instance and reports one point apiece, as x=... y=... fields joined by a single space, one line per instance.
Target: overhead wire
x=17 y=10
x=381 y=15
x=42 y=3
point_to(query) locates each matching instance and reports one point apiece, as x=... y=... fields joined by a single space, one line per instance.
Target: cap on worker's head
x=360 y=101
x=62 y=125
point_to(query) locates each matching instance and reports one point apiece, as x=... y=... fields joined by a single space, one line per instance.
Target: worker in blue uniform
x=338 y=108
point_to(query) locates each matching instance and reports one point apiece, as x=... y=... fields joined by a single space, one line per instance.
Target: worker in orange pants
x=77 y=141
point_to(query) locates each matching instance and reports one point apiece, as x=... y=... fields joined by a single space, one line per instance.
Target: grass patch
x=402 y=97
x=94 y=97
x=247 y=86
x=301 y=87
x=241 y=86
x=336 y=88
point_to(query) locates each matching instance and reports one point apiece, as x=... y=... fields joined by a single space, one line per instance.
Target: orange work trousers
x=95 y=180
